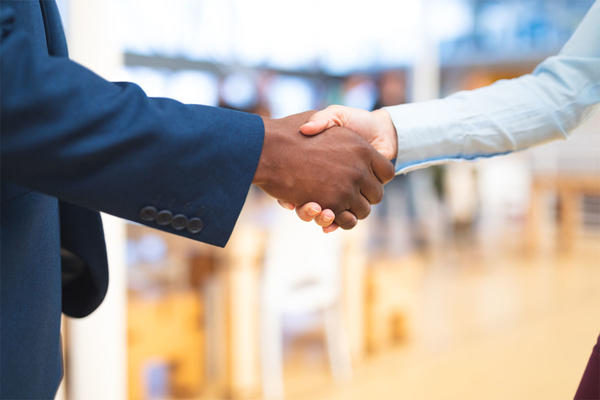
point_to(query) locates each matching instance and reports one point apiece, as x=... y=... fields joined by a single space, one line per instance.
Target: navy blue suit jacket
x=73 y=144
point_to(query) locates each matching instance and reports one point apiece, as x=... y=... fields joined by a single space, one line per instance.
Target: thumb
x=319 y=122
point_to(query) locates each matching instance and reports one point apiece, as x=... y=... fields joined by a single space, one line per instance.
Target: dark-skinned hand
x=339 y=170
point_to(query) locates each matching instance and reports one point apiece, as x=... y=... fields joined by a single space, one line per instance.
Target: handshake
x=330 y=165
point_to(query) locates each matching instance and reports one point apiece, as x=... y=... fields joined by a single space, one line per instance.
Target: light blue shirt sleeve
x=509 y=115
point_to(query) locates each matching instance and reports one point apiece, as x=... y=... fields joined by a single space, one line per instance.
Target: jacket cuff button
x=148 y=213
x=179 y=222
x=195 y=225
x=164 y=217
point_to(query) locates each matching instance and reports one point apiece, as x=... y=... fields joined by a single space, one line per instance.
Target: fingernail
x=329 y=229
x=313 y=210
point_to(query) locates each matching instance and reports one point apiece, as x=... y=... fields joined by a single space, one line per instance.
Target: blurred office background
x=470 y=281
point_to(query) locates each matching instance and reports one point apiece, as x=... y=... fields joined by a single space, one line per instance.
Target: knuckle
x=365 y=150
x=303 y=215
x=348 y=192
x=343 y=219
x=390 y=172
x=334 y=108
x=378 y=195
x=322 y=222
x=364 y=213
x=350 y=224
x=372 y=189
x=358 y=175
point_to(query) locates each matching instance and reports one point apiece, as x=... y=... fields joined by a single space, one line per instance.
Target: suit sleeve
x=107 y=146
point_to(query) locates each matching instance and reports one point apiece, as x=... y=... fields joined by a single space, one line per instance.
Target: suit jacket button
x=179 y=222
x=164 y=217
x=195 y=225
x=148 y=213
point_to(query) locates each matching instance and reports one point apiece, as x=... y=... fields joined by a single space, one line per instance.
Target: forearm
x=509 y=115
x=504 y=117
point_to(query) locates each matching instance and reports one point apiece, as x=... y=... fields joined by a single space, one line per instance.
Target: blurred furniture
x=301 y=275
x=233 y=298
x=168 y=328
x=229 y=282
x=387 y=302
x=225 y=285
x=569 y=188
x=231 y=292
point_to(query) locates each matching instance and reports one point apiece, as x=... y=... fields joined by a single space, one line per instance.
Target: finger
x=361 y=207
x=372 y=189
x=308 y=211
x=346 y=220
x=324 y=119
x=317 y=126
x=286 y=204
x=382 y=168
x=325 y=218
x=330 y=228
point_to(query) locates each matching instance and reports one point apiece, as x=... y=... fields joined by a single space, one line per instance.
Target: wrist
x=261 y=173
x=387 y=132
x=277 y=141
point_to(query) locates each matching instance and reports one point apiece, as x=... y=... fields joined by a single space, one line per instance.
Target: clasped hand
x=334 y=177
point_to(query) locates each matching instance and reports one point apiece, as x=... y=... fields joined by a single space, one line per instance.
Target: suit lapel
x=55 y=34
x=83 y=252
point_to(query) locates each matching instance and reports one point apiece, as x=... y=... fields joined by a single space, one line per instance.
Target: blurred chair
x=166 y=329
x=302 y=274
x=569 y=170
x=570 y=189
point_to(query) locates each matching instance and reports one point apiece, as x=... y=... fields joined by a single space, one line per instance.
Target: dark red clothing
x=589 y=388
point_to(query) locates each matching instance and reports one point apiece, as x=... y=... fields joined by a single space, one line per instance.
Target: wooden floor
x=494 y=324
x=486 y=325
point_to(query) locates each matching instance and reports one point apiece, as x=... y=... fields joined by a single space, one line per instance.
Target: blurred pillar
x=97 y=346
x=240 y=277
x=354 y=266
x=96 y=364
x=426 y=86
x=426 y=69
